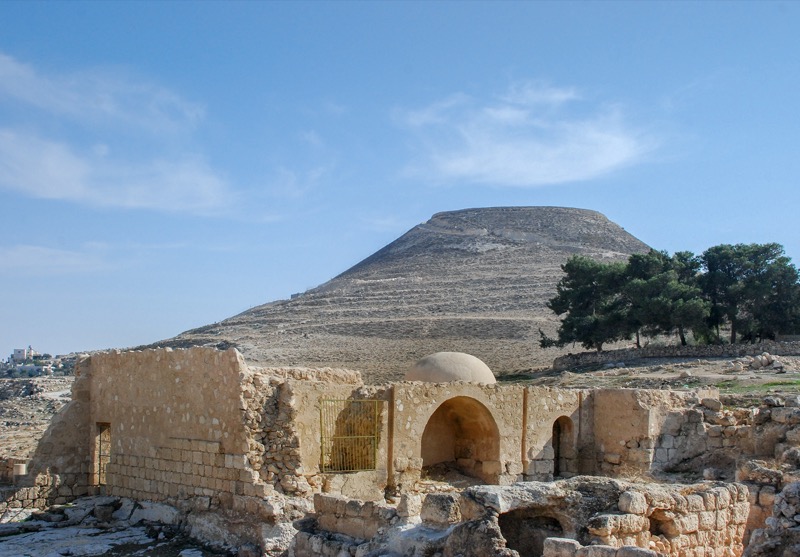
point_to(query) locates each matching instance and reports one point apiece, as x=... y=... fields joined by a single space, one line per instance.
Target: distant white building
x=22 y=354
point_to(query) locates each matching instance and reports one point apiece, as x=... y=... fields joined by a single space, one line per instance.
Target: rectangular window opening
x=102 y=452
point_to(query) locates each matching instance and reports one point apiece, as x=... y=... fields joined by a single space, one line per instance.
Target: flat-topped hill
x=473 y=281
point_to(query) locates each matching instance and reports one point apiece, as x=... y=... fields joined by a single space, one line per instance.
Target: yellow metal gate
x=349 y=434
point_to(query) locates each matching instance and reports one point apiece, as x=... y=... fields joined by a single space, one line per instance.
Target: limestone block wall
x=628 y=426
x=350 y=521
x=277 y=417
x=491 y=414
x=575 y=448
x=695 y=520
x=176 y=423
x=352 y=517
x=704 y=433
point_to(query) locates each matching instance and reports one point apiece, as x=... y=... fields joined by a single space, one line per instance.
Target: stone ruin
x=311 y=462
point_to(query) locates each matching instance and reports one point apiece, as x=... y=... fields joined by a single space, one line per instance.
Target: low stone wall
x=344 y=526
x=678 y=522
x=13 y=499
x=571 y=361
x=352 y=517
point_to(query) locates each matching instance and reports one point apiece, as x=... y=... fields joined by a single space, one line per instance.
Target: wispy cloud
x=51 y=170
x=98 y=97
x=79 y=164
x=529 y=136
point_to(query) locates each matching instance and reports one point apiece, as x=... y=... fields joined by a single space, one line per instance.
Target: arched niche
x=564 y=451
x=463 y=433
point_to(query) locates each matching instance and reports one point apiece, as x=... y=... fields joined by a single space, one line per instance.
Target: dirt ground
x=739 y=384
x=26 y=406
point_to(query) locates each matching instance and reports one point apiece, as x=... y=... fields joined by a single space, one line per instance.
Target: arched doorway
x=463 y=434
x=564 y=461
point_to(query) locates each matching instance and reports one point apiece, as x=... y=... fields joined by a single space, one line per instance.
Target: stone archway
x=564 y=453
x=463 y=433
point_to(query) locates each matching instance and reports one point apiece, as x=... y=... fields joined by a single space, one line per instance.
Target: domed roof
x=444 y=367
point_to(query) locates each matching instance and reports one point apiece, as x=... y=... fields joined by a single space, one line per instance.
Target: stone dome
x=444 y=367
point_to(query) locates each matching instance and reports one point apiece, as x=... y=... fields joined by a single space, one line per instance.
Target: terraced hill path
x=475 y=280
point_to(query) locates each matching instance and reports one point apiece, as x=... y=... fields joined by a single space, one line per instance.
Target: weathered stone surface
x=781 y=537
x=410 y=505
x=104 y=513
x=633 y=502
x=477 y=538
x=560 y=547
x=154 y=512
x=712 y=404
x=440 y=510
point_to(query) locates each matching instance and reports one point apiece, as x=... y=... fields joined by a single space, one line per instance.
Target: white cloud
x=101 y=118
x=50 y=170
x=526 y=137
x=98 y=97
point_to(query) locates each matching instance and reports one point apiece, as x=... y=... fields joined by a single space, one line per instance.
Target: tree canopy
x=752 y=289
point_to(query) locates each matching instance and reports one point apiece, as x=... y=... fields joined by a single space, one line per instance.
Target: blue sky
x=167 y=165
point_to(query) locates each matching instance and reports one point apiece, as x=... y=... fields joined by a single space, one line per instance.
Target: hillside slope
x=475 y=280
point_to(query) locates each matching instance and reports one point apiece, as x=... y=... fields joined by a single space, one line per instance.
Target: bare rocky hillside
x=475 y=280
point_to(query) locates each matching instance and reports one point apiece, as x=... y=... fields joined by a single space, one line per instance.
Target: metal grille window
x=349 y=434
x=103 y=451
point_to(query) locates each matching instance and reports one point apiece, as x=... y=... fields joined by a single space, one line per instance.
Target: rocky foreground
x=98 y=526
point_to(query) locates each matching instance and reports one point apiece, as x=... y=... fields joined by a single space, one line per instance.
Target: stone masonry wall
x=282 y=419
x=571 y=361
x=692 y=521
x=175 y=419
x=275 y=420
x=177 y=434
x=544 y=407
x=628 y=422
x=759 y=446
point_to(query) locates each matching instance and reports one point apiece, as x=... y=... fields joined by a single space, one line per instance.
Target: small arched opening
x=526 y=529
x=564 y=453
x=463 y=434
